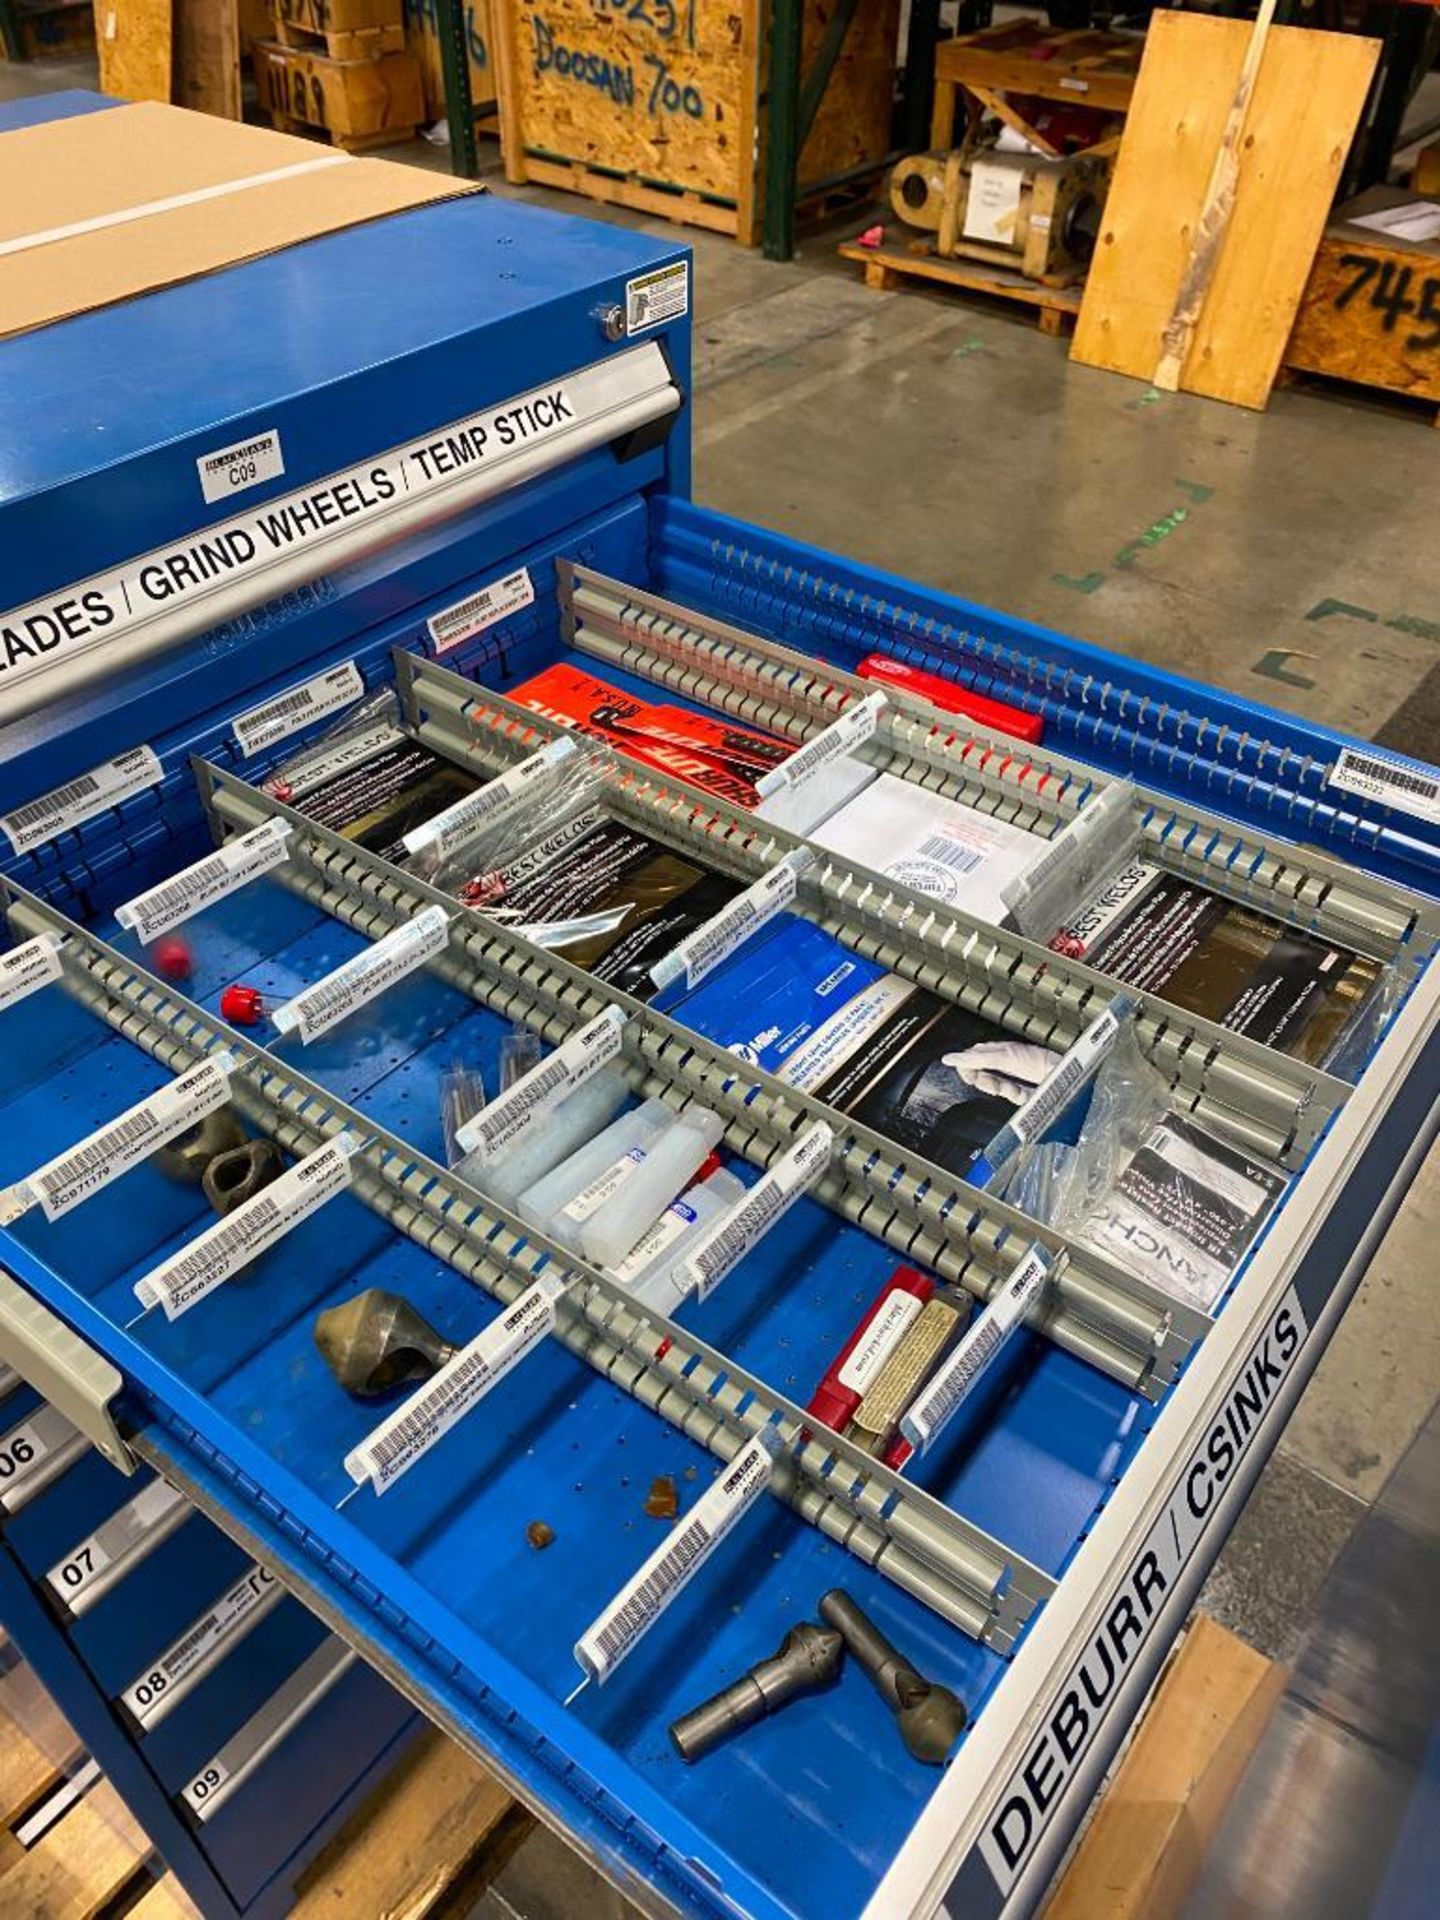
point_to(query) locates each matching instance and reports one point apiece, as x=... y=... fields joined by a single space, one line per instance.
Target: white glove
x=1008 y=1069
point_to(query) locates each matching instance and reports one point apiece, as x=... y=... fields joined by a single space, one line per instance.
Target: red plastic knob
x=173 y=959
x=242 y=1006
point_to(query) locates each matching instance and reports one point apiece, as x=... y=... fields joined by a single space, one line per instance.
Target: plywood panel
x=1307 y=100
x=135 y=43
x=422 y=36
x=207 y=56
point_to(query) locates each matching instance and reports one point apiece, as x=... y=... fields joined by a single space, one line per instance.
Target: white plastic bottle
x=550 y=1138
x=648 y=1270
x=560 y=1204
x=637 y=1204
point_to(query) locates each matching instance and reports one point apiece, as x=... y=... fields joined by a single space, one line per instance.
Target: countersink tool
x=375 y=1340
x=234 y=1177
x=187 y=1156
x=808 y=1659
x=931 y=1718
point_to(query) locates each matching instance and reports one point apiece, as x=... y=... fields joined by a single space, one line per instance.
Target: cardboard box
x=110 y=205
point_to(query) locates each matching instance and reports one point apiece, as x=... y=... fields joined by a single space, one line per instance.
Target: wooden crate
x=344 y=29
x=358 y=103
x=52 y=27
x=655 y=104
x=1371 y=307
x=422 y=36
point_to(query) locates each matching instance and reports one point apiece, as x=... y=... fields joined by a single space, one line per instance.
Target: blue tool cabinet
x=1041 y=1562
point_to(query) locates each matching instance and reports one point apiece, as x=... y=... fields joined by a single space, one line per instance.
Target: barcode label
x=249 y=463
x=854 y=727
x=936 y=1405
x=277 y=719
x=234 y=1242
x=72 y=1579
x=699 y=953
x=24 y=970
x=573 y=1062
x=150 y=1698
x=108 y=1152
x=481 y=610
x=24 y=1451
x=1412 y=790
x=80 y=800
x=741 y=1225
x=363 y=979
x=951 y=853
x=1062 y=1083
x=394 y=1447
x=221 y=873
x=639 y=1604
x=492 y=803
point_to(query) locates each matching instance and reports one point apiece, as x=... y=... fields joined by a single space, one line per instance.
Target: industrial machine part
x=808 y=1659
x=375 y=1340
x=930 y=1717
x=1036 y=215
x=187 y=1157
x=237 y=1175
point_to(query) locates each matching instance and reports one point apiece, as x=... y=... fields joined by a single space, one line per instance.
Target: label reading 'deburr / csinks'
x=498 y=1125
x=773 y=1194
x=316 y=1009
x=200 y=885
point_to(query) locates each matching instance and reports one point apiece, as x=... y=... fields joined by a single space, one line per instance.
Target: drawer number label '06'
x=1079 y=1703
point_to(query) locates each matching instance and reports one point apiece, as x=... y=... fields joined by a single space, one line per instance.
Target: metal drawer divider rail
x=1263 y=774
x=795 y=695
x=1123 y=1325
x=970 y=1579
x=1277 y=1104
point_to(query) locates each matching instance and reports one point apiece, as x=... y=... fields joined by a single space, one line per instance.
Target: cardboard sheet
x=208 y=193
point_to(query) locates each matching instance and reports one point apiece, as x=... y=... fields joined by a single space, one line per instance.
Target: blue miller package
x=929 y=1075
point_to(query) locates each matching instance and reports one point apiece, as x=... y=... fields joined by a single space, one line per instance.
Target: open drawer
x=1041 y=1554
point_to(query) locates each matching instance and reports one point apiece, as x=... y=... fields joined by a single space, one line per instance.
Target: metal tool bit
x=809 y=1659
x=376 y=1340
x=234 y=1177
x=931 y=1718
x=186 y=1157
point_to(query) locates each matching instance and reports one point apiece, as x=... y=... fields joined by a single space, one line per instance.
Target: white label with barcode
x=149 y=1697
x=700 y=952
x=854 y=727
x=277 y=719
x=753 y=1215
x=478 y=611
x=72 y=1578
x=524 y=1102
x=249 y=463
x=363 y=979
x=393 y=1447
x=604 y=1187
x=490 y=804
x=653 y=298
x=219 y=874
x=24 y=1450
x=258 y=1223
x=936 y=1405
x=24 y=970
x=1413 y=790
x=1063 y=1082
x=80 y=800
x=102 y=1156
x=676 y=1561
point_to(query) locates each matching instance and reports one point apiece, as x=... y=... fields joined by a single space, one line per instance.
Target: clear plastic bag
x=359 y=732
x=462 y=1095
x=522 y=841
x=1162 y=1196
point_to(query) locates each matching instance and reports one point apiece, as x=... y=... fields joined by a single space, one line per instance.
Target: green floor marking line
x=1271 y=666
x=1146 y=399
x=1152 y=536
x=1412 y=623
x=1087 y=584
x=1324 y=609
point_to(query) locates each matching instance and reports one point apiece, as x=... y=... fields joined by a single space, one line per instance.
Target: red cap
x=242 y=1006
x=173 y=958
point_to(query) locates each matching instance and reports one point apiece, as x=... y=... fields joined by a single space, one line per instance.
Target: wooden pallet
x=433 y=1834
x=886 y=268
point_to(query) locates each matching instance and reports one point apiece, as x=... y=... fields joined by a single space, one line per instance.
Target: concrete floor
x=955 y=443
